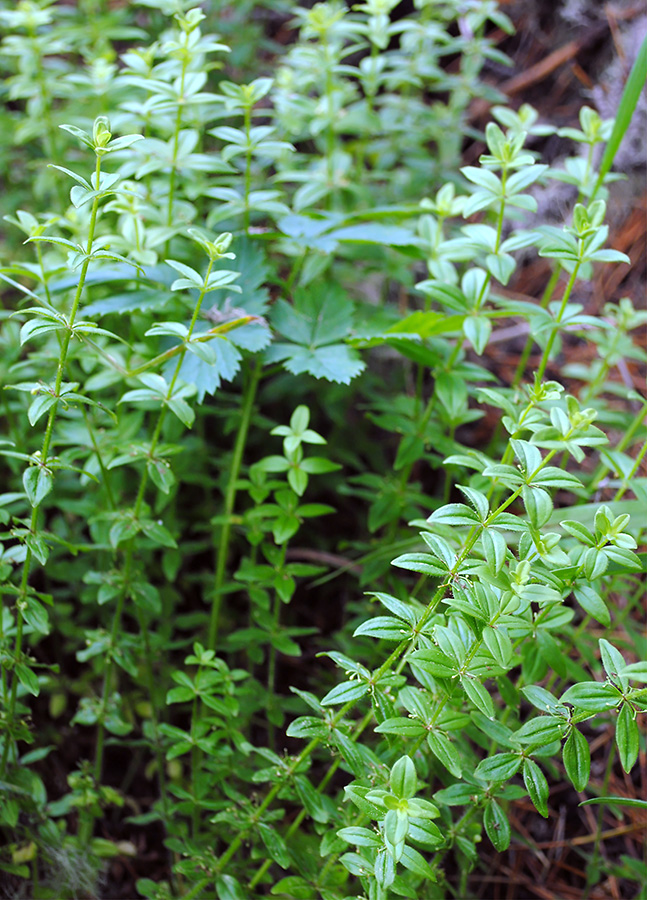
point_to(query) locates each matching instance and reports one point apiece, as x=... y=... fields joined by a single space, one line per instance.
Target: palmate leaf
x=314 y=327
x=334 y=363
x=204 y=376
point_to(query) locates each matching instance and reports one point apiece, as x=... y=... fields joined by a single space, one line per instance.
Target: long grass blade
x=633 y=88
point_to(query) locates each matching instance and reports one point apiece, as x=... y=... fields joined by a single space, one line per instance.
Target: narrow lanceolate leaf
x=435 y=662
x=577 y=759
x=536 y=785
x=405 y=727
x=497 y=826
x=229 y=888
x=275 y=845
x=627 y=737
x=454 y=514
x=28 y=678
x=636 y=671
x=478 y=695
x=361 y=837
x=592 y=696
x=445 y=752
x=541 y=730
x=313 y=802
x=613 y=663
x=592 y=603
x=419 y=562
x=342 y=693
x=351 y=752
x=499 y=644
x=416 y=863
x=307 y=727
x=498 y=768
x=386 y=628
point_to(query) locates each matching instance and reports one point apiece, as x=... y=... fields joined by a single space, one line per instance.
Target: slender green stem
x=598 y=832
x=300 y=759
x=230 y=500
x=44 y=456
x=88 y=822
x=176 y=144
x=547 y=296
x=271 y=664
x=330 y=128
x=104 y=472
x=196 y=891
x=248 y=166
x=296 y=824
x=553 y=334
x=195 y=768
x=150 y=684
x=627 y=437
x=626 y=481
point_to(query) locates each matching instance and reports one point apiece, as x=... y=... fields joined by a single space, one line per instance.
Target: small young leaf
x=38 y=482
x=404 y=781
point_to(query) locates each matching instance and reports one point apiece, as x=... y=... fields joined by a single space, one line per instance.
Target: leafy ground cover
x=323 y=448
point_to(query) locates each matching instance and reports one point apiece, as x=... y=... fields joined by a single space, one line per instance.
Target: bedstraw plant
x=245 y=335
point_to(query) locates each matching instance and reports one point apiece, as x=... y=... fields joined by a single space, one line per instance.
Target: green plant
x=158 y=550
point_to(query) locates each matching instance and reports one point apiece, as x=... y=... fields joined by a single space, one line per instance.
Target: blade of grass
x=633 y=89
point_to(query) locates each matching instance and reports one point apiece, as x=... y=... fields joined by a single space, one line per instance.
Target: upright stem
x=248 y=165
x=330 y=129
x=44 y=455
x=627 y=437
x=625 y=484
x=87 y=824
x=271 y=665
x=553 y=334
x=176 y=144
x=249 y=396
